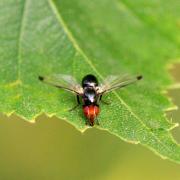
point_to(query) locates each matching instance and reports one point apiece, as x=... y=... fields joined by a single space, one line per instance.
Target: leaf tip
x=174 y=126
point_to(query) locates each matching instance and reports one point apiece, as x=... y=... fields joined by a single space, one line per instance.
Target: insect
x=90 y=91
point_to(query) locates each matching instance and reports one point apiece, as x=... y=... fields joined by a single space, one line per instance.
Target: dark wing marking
x=115 y=82
x=63 y=81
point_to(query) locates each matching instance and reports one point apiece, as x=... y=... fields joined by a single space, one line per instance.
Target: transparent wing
x=113 y=82
x=63 y=81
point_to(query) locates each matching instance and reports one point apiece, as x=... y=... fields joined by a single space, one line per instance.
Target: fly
x=90 y=91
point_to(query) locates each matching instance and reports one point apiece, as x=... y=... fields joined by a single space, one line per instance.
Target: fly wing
x=66 y=82
x=113 y=82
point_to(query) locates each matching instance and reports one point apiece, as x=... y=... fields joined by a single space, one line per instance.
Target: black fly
x=90 y=90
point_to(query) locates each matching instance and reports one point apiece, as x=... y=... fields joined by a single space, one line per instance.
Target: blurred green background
x=52 y=149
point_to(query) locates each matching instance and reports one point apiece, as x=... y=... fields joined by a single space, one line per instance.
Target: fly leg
x=78 y=103
x=100 y=99
x=97 y=122
x=87 y=122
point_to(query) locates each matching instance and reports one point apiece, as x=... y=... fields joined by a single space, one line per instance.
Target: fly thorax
x=90 y=96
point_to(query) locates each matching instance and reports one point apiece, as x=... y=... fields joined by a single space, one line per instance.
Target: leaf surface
x=101 y=37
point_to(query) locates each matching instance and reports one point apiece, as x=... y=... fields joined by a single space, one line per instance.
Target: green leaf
x=102 y=37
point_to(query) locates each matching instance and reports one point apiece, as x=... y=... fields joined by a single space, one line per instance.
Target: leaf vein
x=21 y=32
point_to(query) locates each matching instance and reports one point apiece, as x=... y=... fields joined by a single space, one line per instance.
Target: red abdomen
x=91 y=112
